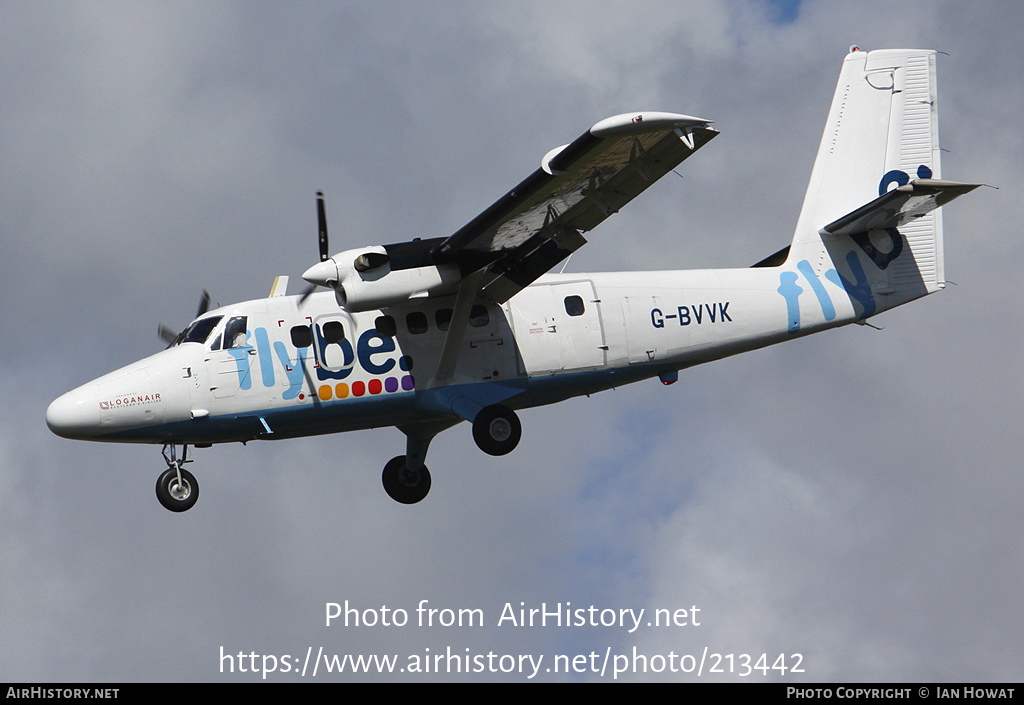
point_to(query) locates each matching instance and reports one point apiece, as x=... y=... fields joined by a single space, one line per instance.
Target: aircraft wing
x=538 y=223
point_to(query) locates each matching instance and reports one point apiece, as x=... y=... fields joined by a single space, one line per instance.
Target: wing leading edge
x=539 y=223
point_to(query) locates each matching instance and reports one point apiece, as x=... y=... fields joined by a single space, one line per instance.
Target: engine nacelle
x=382 y=287
x=363 y=280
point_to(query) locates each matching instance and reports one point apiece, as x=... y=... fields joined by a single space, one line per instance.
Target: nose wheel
x=176 y=488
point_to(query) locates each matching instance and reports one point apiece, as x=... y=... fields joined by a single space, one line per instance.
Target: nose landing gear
x=176 y=488
x=405 y=485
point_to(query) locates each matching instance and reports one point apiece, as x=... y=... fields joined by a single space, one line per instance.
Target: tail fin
x=882 y=133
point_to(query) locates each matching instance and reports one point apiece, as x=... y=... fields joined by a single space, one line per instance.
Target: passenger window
x=333 y=353
x=574 y=305
x=443 y=318
x=386 y=326
x=416 y=322
x=302 y=336
x=334 y=332
x=234 y=333
x=478 y=316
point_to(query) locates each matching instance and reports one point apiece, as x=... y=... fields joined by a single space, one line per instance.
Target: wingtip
x=641 y=122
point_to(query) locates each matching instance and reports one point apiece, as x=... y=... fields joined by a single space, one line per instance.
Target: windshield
x=200 y=330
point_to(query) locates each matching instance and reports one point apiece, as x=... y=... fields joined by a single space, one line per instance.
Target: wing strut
x=456 y=329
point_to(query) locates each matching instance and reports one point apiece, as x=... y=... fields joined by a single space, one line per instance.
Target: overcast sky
x=854 y=497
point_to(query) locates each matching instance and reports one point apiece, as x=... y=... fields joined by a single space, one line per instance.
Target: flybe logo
x=858 y=288
x=332 y=361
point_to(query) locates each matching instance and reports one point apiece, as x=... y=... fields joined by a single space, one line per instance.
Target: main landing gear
x=176 y=488
x=496 y=430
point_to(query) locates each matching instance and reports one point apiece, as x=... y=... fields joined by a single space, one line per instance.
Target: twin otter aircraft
x=425 y=334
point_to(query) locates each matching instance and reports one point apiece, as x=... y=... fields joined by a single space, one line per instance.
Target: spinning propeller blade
x=170 y=336
x=321 y=214
x=305 y=294
x=166 y=334
x=321 y=217
x=204 y=304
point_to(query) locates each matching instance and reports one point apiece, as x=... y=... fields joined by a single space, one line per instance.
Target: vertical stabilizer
x=881 y=133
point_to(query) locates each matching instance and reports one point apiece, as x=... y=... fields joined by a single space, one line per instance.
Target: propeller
x=167 y=334
x=325 y=272
x=204 y=303
x=321 y=217
x=170 y=336
x=321 y=214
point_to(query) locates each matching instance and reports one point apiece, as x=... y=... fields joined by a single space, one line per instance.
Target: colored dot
x=405 y=363
x=408 y=384
x=325 y=392
x=358 y=389
x=391 y=384
x=375 y=386
x=341 y=390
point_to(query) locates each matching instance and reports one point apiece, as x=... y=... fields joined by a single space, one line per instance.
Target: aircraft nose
x=74 y=415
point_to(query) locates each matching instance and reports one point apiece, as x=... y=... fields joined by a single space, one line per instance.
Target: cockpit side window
x=200 y=330
x=234 y=333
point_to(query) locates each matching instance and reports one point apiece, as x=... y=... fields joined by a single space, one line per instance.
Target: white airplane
x=425 y=334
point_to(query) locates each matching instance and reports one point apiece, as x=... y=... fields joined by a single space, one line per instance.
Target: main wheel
x=404 y=485
x=496 y=430
x=178 y=497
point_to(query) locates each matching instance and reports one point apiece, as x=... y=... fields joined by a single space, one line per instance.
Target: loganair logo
x=127 y=400
x=332 y=361
x=858 y=288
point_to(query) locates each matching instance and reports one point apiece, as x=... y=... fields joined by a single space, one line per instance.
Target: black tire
x=173 y=497
x=404 y=485
x=496 y=430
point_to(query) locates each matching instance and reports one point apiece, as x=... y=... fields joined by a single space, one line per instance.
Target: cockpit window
x=200 y=330
x=234 y=333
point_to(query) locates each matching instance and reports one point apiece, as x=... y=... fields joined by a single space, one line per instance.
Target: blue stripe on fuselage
x=355 y=413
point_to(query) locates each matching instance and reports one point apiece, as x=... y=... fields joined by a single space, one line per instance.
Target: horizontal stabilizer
x=899 y=206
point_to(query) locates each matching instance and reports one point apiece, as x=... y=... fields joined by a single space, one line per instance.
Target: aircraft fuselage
x=309 y=367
